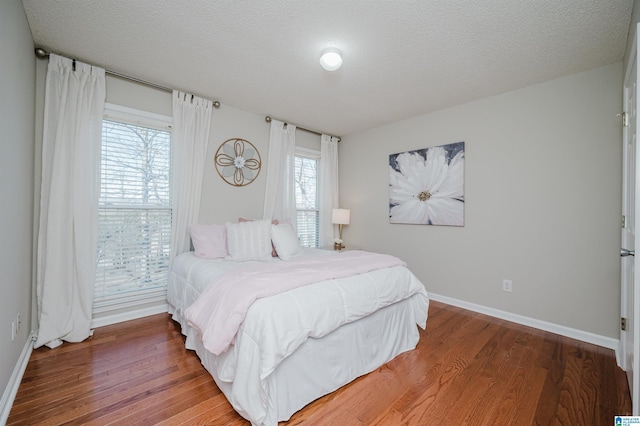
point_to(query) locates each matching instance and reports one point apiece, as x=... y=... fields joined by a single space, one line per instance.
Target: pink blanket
x=223 y=305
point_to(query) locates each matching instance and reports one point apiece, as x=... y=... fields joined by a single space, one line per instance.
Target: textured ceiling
x=402 y=58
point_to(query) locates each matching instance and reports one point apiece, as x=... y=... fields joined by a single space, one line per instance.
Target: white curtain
x=328 y=188
x=191 y=127
x=279 y=197
x=67 y=235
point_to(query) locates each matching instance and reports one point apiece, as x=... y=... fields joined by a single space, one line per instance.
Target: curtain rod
x=268 y=120
x=41 y=54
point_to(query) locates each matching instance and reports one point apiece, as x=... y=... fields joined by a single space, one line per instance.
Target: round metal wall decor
x=238 y=162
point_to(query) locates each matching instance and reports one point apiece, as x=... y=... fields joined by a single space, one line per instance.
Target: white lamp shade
x=340 y=216
x=330 y=59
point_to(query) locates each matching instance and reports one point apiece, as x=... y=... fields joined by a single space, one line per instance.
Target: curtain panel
x=329 y=196
x=279 y=197
x=67 y=234
x=191 y=128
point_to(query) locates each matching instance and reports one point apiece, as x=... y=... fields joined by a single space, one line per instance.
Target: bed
x=300 y=343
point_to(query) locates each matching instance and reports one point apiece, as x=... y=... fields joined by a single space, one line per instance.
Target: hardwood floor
x=467 y=369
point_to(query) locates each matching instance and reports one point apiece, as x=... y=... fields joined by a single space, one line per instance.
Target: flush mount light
x=330 y=59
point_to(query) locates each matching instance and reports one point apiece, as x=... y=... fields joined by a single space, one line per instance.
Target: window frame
x=136 y=298
x=315 y=155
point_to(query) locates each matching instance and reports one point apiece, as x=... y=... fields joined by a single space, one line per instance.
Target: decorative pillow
x=209 y=241
x=273 y=222
x=285 y=241
x=249 y=240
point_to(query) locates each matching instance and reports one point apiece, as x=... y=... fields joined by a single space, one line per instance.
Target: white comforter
x=222 y=307
x=265 y=339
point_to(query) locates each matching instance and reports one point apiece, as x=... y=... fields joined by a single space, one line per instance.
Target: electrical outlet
x=13 y=331
x=507 y=285
x=18 y=323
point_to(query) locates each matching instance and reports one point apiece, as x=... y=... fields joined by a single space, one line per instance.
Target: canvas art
x=426 y=186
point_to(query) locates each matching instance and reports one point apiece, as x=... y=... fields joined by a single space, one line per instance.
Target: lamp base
x=338 y=246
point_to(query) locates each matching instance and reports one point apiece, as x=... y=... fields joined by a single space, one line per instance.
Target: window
x=134 y=224
x=307 y=205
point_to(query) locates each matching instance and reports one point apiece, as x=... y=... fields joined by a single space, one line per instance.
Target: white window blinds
x=307 y=204
x=134 y=225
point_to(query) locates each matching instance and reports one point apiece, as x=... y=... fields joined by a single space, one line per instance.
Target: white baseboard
x=11 y=390
x=619 y=356
x=130 y=315
x=573 y=333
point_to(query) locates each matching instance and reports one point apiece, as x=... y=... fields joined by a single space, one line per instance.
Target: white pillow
x=209 y=241
x=249 y=240
x=285 y=241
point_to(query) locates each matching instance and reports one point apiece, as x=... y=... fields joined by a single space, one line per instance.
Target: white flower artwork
x=426 y=186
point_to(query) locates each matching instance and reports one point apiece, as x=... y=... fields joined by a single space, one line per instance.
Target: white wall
x=17 y=94
x=542 y=199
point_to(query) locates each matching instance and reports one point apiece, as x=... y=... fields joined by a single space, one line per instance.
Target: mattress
x=317 y=366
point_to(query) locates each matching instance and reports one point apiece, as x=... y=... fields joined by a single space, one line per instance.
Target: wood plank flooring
x=467 y=369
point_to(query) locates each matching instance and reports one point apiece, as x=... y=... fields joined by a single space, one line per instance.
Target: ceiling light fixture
x=330 y=59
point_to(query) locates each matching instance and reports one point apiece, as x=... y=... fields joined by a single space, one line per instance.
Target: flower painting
x=426 y=186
